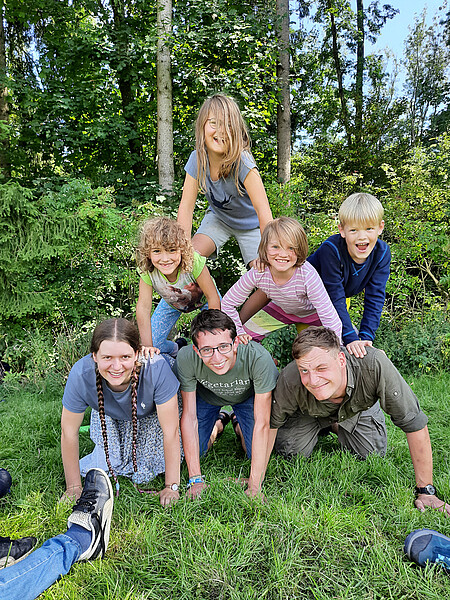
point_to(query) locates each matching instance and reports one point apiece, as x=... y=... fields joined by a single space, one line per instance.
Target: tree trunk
x=337 y=66
x=359 y=71
x=5 y=167
x=284 y=103
x=166 y=172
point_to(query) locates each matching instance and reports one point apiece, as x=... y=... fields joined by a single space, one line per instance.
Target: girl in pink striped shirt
x=294 y=287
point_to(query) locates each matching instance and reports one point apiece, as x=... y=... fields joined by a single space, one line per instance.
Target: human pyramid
x=144 y=389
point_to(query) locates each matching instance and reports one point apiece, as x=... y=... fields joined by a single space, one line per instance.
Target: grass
x=333 y=526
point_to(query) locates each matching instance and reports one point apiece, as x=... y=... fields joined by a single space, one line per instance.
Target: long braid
x=134 y=387
x=101 y=412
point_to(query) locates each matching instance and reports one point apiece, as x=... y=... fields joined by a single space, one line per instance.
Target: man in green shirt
x=326 y=387
x=216 y=371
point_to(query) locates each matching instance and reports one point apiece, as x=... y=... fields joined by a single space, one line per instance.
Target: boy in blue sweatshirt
x=354 y=260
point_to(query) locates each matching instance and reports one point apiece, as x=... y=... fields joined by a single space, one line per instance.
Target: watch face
x=174 y=487
x=431 y=490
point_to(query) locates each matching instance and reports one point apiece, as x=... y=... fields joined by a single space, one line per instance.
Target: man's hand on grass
x=424 y=500
x=196 y=490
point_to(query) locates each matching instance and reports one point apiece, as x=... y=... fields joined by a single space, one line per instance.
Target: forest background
x=97 y=105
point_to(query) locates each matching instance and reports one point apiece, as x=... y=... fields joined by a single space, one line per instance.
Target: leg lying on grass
x=86 y=538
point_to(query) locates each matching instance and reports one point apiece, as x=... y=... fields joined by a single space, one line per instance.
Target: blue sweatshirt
x=344 y=278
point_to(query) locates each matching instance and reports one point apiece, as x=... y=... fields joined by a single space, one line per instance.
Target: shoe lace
x=86 y=502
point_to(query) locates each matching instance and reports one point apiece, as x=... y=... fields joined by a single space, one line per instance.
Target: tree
x=164 y=90
x=427 y=63
x=4 y=108
x=342 y=43
x=284 y=103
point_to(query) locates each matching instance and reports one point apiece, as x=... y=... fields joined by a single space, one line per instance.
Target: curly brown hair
x=166 y=233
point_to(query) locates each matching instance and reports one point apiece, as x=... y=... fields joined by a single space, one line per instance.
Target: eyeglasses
x=212 y=123
x=221 y=349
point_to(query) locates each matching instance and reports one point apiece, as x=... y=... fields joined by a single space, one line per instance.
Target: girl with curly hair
x=169 y=266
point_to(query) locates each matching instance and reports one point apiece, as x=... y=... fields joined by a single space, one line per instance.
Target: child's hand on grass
x=71 y=494
x=196 y=490
x=168 y=496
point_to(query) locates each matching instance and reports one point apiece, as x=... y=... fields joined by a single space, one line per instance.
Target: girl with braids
x=134 y=418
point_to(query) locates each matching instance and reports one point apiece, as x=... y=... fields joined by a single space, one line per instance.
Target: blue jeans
x=207 y=416
x=28 y=578
x=163 y=319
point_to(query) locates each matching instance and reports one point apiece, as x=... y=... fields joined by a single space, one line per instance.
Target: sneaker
x=181 y=342
x=11 y=551
x=427 y=545
x=93 y=511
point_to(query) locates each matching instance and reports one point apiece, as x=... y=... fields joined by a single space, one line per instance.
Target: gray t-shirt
x=369 y=379
x=157 y=384
x=253 y=373
x=223 y=197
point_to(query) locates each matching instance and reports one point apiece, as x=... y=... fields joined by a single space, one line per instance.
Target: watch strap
x=429 y=490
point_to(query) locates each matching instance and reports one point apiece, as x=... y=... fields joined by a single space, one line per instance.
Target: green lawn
x=333 y=526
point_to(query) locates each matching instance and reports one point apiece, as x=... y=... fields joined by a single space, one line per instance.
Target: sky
x=395 y=31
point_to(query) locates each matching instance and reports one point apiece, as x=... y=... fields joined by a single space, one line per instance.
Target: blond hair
x=225 y=111
x=287 y=231
x=166 y=233
x=361 y=209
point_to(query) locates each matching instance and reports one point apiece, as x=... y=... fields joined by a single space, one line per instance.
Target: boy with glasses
x=216 y=371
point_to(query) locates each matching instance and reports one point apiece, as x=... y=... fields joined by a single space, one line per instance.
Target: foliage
x=279 y=345
x=418 y=347
x=66 y=257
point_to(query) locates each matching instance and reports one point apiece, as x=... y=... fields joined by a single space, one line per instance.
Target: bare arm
x=262 y=444
x=168 y=419
x=422 y=459
x=206 y=283
x=187 y=204
x=253 y=304
x=191 y=445
x=255 y=189
x=143 y=317
x=70 y=426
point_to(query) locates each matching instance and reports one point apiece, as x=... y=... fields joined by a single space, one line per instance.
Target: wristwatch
x=173 y=486
x=429 y=490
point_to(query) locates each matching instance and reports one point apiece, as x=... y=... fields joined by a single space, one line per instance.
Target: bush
x=418 y=347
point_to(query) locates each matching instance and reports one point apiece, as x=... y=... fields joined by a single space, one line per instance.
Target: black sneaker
x=93 y=511
x=11 y=551
x=181 y=342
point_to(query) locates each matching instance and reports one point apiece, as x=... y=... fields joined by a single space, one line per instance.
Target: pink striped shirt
x=303 y=295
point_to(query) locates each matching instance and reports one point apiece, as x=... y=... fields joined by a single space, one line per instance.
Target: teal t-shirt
x=253 y=373
x=184 y=294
